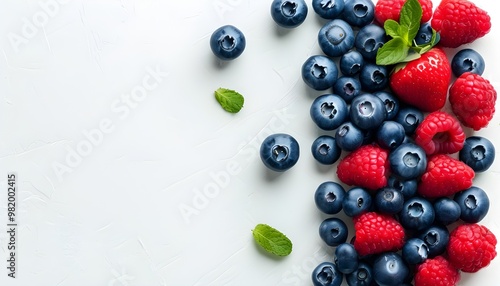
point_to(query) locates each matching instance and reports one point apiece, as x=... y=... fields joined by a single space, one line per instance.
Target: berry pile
x=406 y=160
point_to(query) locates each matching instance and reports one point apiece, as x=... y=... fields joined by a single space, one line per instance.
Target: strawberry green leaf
x=392 y=52
x=411 y=14
x=391 y=28
x=411 y=56
x=272 y=240
x=230 y=100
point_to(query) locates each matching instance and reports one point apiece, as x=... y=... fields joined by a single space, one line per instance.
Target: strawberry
x=377 y=233
x=366 y=167
x=473 y=99
x=390 y=9
x=423 y=82
x=460 y=22
x=444 y=176
x=436 y=271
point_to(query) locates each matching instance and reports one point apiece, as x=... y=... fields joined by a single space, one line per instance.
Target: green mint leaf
x=230 y=100
x=411 y=14
x=392 y=28
x=272 y=240
x=392 y=52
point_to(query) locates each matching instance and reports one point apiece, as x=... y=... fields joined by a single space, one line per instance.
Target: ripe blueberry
x=390 y=134
x=478 y=153
x=325 y=150
x=351 y=63
x=369 y=39
x=328 y=111
x=328 y=9
x=346 y=258
x=347 y=88
x=417 y=214
x=289 y=13
x=390 y=269
x=279 y=152
x=374 y=77
x=349 y=137
x=333 y=231
x=367 y=111
x=389 y=200
x=227 y=42
x=410 y=118
x=319 y=72
x=329 y=197
x=335 y=38
x=474 y=204
x=436 y=237
x=467 y=60
x=408 y=161
x=359 y=12
x=415 y=251
x=447 y=210
x=356 y=201
x=326 y=274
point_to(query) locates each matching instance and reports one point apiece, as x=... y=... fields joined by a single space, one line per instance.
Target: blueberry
x=329 y=197
x=347 y=88
x=356 y=201
x=408 y=161
x=467 y=60
x=325 y=150
x=346 y=258
x=407 y=187
x=415 y=251
x=390 y=269
x=417 y=214
x=335 y=38
x=349 y=137
x=289 y=13
x=424 y=34
x=326 y=274
x=389 y=200
x=351 y=63
x=328 y=111
x=373 y=77
x=478 y=153
x=319 y=72
x=410 y=118
x=362 y=276
x=279 y=152
x=436 y=237
x=333 y=231
x=359 y=12
x=367 y=111
x=474 y=204
x=227 y=42
x=328 y=9
x=390 y=134
x=447 y=210
x=391 y=103
x=369 y=39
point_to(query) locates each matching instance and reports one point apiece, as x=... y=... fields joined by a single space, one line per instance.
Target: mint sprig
x=230 y=100
x=272 y=240
x=402 y=46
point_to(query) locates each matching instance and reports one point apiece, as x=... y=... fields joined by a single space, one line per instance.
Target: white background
x=164 y=187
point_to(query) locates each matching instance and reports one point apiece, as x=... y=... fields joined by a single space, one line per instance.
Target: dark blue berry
x=478 y=153
x=325 y=150
x=362 y=276
x=408 y=161
x=373 y=77
x=389 y=200
x=447 y=210
x=369 y=39
x=390 y=134
x=289 y=13
x=410 y=118
x=356 y=201
x=227 y=42
x=424 y=34
x=333 y=231
x=349 y=137
x=335 y=38
x=346 y=258
x=351 y=63
x=359 y=13
x=319 y=72
x=415 y=251
x=417 y=214
x=328 y=9
x=407 y=187
x=328 y=111
x=329 y=197
x=279 y=152
x=326 y=274
x=436 y=237
x=467 y=60
x=347 y=88
x=367 y=111
x=390 y=269
x=474 y=204
x=391 y=103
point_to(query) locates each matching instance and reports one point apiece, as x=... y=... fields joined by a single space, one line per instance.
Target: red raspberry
x=460 y=22
x=436 y=271
x=444 y=176
x=390 y=9
x=440 y=132
x=366 y=167
x=473 y=99
x=377 y=233
x=471 y=247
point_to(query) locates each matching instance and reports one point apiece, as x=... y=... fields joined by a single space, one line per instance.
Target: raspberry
x=471 y=247
x=436 y=271
x=444 y=176
x=377 y=233
x=460 y=22
x=472 y=99
x=366 y=167
x=390 y=9
x=440 y=132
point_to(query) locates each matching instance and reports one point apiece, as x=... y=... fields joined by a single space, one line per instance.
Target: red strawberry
x=390 y=9
x=377 y=233
x=440 y=132
x=444 y=176
x=423 y=82
x=366 y=167
x=436 y=271
x=471 y=247
x=460 y=22
x=473 y=99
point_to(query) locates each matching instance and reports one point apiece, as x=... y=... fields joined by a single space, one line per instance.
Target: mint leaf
x=230 y=100
x=392 y=28
x=411 y=14
x=392 y=52
x=272 y=240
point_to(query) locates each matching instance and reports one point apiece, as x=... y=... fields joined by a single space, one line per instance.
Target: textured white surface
x=163 y=187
